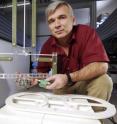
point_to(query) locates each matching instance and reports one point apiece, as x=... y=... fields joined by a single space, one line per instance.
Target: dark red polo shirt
x=85 y=47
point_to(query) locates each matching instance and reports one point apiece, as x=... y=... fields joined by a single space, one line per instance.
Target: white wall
x=19 y=64
x=42 y=24
x=82 y=16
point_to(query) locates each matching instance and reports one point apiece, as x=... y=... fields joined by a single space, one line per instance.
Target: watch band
x=70 y=82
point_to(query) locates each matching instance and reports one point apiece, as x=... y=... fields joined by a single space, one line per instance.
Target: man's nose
x=57 y=23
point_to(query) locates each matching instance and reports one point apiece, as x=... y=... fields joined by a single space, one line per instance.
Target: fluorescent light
x=19 y=4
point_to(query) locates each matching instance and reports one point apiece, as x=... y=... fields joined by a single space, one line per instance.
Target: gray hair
x=54 y=5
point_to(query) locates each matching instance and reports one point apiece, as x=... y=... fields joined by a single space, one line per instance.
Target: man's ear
x=74 y=20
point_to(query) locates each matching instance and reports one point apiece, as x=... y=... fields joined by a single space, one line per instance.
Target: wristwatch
x=70 y=82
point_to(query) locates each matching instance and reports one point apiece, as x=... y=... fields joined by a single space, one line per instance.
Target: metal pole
x=14 y=22
x=54 y=63
x=33 y=23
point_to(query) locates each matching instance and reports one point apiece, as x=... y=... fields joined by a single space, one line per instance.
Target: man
x=82 y=60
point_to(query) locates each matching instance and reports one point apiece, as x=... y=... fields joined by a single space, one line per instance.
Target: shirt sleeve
x=94 y=50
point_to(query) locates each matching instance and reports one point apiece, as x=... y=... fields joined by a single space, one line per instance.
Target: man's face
x=60 y=22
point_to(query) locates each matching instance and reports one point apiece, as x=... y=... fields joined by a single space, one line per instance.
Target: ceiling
x=41 y=2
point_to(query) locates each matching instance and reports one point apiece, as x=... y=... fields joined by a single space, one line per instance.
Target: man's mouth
x=59 y=32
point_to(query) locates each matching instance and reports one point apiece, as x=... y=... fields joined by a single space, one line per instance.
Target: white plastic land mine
x=47 y=108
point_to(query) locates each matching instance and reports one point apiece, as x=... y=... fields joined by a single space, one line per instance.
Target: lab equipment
x=48 y=108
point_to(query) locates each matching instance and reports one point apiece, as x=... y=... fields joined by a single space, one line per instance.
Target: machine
x=47 y=108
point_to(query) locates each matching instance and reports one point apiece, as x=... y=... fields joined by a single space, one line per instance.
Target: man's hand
x=58 y=81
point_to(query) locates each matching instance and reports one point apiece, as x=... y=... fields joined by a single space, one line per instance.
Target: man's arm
x=88 y=72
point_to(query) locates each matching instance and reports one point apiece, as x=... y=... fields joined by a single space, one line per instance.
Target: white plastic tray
x=61 y=105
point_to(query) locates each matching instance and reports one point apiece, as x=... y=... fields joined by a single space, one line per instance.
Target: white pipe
x=24 y=24
x=19 y=4
x=27 y=54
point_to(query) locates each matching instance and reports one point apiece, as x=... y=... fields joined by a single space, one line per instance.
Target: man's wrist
x=69 y=79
